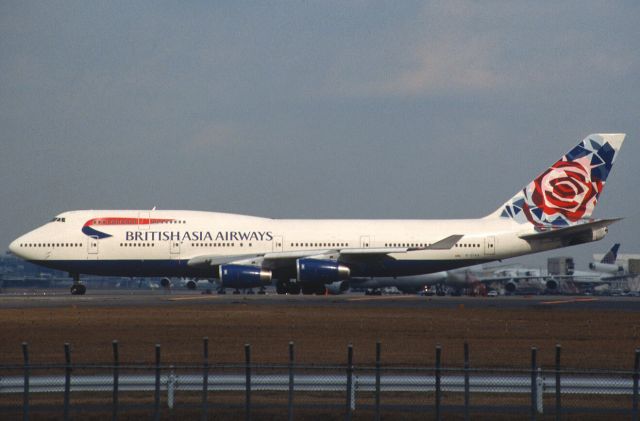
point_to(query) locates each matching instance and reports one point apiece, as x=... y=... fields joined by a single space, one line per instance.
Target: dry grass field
x=497 y=336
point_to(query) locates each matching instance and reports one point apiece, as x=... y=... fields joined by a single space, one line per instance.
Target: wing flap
x=214 y=260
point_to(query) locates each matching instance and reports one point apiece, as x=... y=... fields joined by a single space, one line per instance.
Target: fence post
x=291 y=380
x=171 y=387
x=67 y=380
x=534 y=384
x=25 y=396
x=247 y=401
x=116 y=378
x=205 y=378
x=378 y=352
x=558 y=384
x=438 y=375
x=349 y=380
x=540 y=391
x=156 y=400
x=636 y=376
x=466 y=381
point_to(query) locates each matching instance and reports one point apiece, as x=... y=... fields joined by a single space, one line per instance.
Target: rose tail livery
x=567 y=192
x=238 y=251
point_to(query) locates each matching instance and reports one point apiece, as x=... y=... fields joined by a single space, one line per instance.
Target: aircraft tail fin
x=611 y=255
x=568 y=191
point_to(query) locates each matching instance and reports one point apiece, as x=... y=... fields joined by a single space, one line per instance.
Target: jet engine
x=606 y=267
x=240 y=276
x=321 y=271
x=511 y=286
x=551 y=284
x=191 y=284
x=165 y=283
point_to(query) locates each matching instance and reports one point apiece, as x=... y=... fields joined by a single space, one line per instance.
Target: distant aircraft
x=608 y=262
x=601 y=273
x=518 y=279
x=552 y=211
x=406 y=284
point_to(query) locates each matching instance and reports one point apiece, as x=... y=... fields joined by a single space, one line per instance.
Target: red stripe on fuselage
x=125 y=221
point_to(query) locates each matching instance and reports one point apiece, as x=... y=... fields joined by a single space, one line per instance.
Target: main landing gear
x=294 y=288
x=77 y=288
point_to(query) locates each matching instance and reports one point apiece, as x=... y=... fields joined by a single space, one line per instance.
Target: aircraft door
x=364 y=241
x=174 y=249
x=92 y=248
x=277 y=243
x=490 y=245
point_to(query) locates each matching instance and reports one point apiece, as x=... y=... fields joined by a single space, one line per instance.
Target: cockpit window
x=57 y=219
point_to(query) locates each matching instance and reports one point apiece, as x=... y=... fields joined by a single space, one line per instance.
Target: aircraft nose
x=13 y=247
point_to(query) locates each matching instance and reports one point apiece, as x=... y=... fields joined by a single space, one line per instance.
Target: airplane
x=510 y=278
x=604 y=272
x=608 y=263
x=552 y=211
x=532 y=279
x=513 y=278
x=406 y=284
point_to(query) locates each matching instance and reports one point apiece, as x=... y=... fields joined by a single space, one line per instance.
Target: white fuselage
x=161 y=242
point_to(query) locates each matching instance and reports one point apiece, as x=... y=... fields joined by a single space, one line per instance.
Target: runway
x=22 y=299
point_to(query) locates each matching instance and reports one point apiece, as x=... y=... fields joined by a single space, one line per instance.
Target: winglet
x=446 y=243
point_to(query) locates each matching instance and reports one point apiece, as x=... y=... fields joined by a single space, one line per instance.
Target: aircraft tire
x=78 y=289
x=282 y=287
x=294 y=289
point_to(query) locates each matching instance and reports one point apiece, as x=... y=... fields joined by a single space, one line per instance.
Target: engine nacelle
x=605 y=267
x=165 y=283
x=337 y=287
x=191 y=284
x=321 y=271
x=551 y=284
x=511 y=286
x=240 y=276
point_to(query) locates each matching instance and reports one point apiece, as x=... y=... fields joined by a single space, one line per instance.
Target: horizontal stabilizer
x=570 y=231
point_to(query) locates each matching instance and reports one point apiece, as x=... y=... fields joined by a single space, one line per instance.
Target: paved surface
x=20 y=299
x=500 y=330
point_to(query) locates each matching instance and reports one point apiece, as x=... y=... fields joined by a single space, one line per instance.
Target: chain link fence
x=301 y=391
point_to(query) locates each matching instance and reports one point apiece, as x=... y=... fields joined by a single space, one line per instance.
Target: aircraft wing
x=569 y=232
x=277 y=259
x=214 y=260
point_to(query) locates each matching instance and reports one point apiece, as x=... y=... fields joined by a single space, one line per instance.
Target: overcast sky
x=308 y=109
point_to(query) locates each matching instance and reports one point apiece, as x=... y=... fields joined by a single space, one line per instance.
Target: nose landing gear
x=77 y=288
